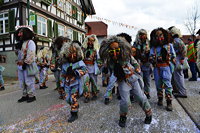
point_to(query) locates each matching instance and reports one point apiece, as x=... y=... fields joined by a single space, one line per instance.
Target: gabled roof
x=198 y=32
x=87 y=7
x=98 y=28
x=186 y=37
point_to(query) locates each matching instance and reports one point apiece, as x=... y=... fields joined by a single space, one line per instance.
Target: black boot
x=132 y=99
x=86 y=100
x=160 y=101
x=2 y=88
x=43 y=87
x=169 y=105
x=94 y=97
x=31 y=99
x=73 y=117
x=122 y=121
x=113 y=90
x=148 y=96
x=107 y=101
x=23 y=99
x=148 y=119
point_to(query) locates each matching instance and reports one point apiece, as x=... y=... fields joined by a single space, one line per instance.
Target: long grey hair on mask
x=125 y=48
x=137 y=39
x=65 y=51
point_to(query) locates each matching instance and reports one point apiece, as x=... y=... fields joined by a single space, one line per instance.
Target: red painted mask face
x=114 y=50
x=91 y=41
x=143 y=37
x=159 y=37
x=133 y=51
x=73 y=54
x=20 y=34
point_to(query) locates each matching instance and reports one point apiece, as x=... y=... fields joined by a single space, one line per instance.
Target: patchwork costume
x=142 y=56
x=181 y=61
x=26 y=55
x=91 y=59
x=74 y=76
x=43 y=61
x=161 y=56
x=118 y=53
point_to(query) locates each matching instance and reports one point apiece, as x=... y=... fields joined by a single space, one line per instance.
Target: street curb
x=189 y=114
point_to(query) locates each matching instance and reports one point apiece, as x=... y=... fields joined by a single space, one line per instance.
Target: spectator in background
x=196 y=45
x=191 y=54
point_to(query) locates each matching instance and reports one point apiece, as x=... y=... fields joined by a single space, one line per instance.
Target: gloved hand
x=24 y=66
x=88 y=54
x=70 y=72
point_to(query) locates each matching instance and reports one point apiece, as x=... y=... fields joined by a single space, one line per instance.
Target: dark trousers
x=185 y=72
x=193 y=70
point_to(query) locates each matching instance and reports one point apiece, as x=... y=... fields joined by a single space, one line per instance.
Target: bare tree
x=193 y=16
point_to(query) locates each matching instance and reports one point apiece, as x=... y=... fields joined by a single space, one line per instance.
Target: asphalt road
x=50 y=114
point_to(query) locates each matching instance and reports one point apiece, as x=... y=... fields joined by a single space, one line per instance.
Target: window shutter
x=1 y=2
x=47 y=2
x=49 y=28
x=11 y=20
x=82 y=17
x=35 y=26
x=74 y=12
x=55 y=2
x=75 y=35
x=55 y=28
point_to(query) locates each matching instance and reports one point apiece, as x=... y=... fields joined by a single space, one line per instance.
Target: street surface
x=50 y=114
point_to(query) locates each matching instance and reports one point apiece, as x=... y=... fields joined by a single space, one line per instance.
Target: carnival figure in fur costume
x=43 y=62
x=162 y=56
x=117 y=52
x=56 y=63
x=91 y=59
x=181 y=63
x=142 y=46
x=26 y=59
x=111 y=85
x=74 y=76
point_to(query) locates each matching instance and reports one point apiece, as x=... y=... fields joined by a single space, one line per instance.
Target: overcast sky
x=147 y=14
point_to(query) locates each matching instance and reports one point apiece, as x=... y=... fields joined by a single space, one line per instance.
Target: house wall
x=55 y=13
x=10 y=65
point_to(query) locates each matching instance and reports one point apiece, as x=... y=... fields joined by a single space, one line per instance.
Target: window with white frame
x=5 y=1
x=68 y=8
x=4 y=27
x=70 y=33
x=42 y=26
x=60 y=4
x=78 y=2
x=61 y=30
x=79 y=18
